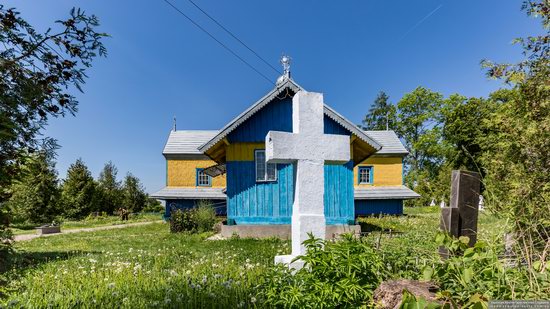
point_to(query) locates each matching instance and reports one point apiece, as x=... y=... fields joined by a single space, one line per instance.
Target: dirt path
x=88 y=229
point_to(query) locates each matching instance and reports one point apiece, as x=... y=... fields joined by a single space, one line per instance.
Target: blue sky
x=160 y=65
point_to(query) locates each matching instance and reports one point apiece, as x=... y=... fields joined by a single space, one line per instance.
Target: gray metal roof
x=287 y=84
x=190 y=193
x=384 y=193
x=361 y=193
x=187 y=142
x=389 y=141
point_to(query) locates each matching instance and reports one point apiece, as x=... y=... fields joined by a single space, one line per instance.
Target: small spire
x=285 y=61
x=174 y=128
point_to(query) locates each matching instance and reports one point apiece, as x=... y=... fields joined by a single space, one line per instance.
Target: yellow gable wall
x=242 y=151
x=388 y=171
x=183 y=173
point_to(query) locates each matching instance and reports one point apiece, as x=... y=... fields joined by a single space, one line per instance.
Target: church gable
x=275 y=116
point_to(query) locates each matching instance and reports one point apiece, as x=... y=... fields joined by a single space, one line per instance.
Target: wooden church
x=228 y=169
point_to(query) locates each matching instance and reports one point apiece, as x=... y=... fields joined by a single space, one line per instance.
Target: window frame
x=197 y=176
x=265 y=178
x=371 y=174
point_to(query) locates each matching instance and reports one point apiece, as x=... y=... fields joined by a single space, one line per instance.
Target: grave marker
x=309 y=149
x=460 y=219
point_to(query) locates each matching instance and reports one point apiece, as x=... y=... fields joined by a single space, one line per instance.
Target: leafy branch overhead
x=37 y=72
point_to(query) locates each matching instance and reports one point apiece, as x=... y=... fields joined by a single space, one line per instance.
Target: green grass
x=138 y=267
x=146 y=266
x=22 y=229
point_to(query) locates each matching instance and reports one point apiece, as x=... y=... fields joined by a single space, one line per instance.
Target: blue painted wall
x=339 y=206
x=375 y=207
x=251 y=202
x=275 y=116
x=219 y=205
x=332 y=127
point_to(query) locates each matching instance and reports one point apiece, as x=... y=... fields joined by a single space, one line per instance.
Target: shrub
x=476 y=275
x=181 y=220
x=199 y=219
x=153 y=205
x=205 y=216
x=337 y=274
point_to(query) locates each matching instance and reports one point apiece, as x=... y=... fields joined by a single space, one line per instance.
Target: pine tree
x=381 y=115
x=109 y=193
x=78 y=191
x=134 y=195
x=35 y=196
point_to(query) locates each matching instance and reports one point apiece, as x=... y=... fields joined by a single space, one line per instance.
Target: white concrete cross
x=309 y=148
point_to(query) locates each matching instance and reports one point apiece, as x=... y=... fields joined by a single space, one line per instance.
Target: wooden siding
x=276 y=116
x=388 y=171
x=339 y=207
x=242 y=151
x=375 y=207
x=332 y=127
x=251 y=202
x=182 y=173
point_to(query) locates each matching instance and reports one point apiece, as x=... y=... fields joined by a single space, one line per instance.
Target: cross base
x=287 y=260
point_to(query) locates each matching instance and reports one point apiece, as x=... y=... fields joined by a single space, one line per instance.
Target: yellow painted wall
x=388 y=171
x=183 y=173
x=242 y=151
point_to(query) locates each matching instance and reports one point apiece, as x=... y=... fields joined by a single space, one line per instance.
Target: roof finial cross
x=285 y=61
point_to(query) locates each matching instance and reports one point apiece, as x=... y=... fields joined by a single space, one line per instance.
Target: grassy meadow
x=22 y=229
x=147 y=266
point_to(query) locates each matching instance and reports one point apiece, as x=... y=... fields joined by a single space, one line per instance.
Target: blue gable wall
x=275 y=116
x=251 y=202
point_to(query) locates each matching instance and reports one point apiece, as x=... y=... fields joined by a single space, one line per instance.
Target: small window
x=365 y=175
x=203 y=180
x=264 y=171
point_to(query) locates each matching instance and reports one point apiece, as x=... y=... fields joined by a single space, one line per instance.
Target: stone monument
x=308 y=148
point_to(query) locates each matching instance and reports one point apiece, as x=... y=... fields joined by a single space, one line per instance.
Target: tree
x=35 y=196
x=109 y=193
x=133 y=193
x=381 y=115
x=419 y=125
x=78 y=191
x=37 y=73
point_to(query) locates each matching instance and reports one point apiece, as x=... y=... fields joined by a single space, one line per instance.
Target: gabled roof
x=284 y=86
x=187 y=142
x=389 y=141
x=189 y=193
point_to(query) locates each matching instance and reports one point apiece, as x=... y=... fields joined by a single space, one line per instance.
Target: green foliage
x=109 y=192
x=337 y=274
x=138 y=267
x=39 y=71
x=35 y=196
x=198 y=219
x=205 y=216
x=381 y=115
x=516 y=156
x=134 y=196
x=78 y=191
x=420 y=128
x=153 y=205
x=473 y=275
x=409 y=301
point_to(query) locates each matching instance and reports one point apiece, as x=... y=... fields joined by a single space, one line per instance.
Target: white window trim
x=265 y=169
x=199 y=172
x=370 y=169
